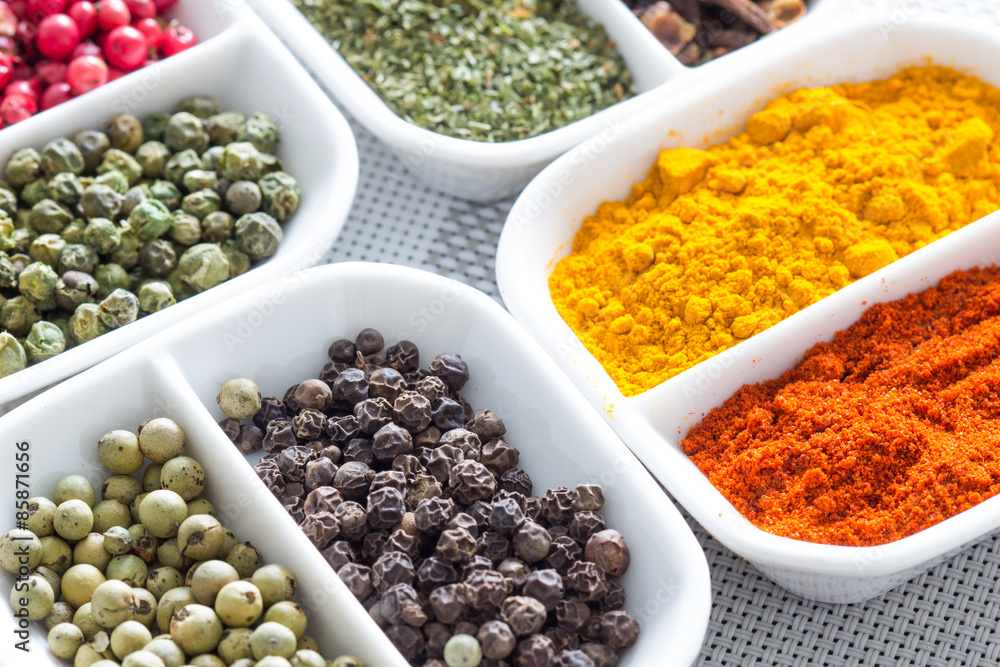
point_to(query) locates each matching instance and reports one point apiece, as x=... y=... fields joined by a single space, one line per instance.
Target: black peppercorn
x=271 y=408
x=400 y=540
x=607 y=549
x=369 y=341
x=499 y=456
x=447 y=414
x=436 y=635
x=403 y=356
x=470 y=481
x=546 y=586
x=353 y=479
x=571 y=658
x=358 y=579
x=531 y=542
x=465 y=521
x=309 y=424
x=390 y=441
x=602 y=655
x=456 y=545
x=391 y=568
x=441 y=460
x=587 y=580
x=619 y=629
x=278 y=436
x=231 y=427
x=585 y=524
x=572 y=613
x=319 y=472
x=386 y=383
x=412 y=411
x=514 y=569
x=250 y=439
x=399 y=604
x=614 y=599
x=353 y=520
x=516 y=480
x=446 y=603
x=351 y=386
x=524 y=615
x=314 y=394
x=493 y=546
x=452 y=370
x=321 y=528
x=385 y=508
x=342 y=429
x=359 y=449
x=477 y=562
x=506 y=516
x=435 y=572
x=292 y=462
x=557 y=505
x=487 y=425
x=589 y=498
x=342 y=351
x=535 y=651
x=484 y=589
x=431 y=514
x=407 y=639
x=322 y=499
x=340 y=552
x=372 y=414
x=467 y=441
x=496 y=639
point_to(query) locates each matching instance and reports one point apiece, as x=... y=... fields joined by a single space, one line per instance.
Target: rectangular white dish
x=278 y=335
x=247 y=68
x=482 y=171
x=544 y=220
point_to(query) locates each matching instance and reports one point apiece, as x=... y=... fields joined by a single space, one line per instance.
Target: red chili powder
x=888 y=429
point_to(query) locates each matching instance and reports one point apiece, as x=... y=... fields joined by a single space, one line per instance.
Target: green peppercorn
x=241 y=162
x=35 y=191
x=270 y=164
x=103 y=235
x=202 y=106
x=166 y=192
x=154 y=124
x=22 y=238
x=37 y=282
x=152 y=156
x=258 y=235
x=119 y=308
x=8 y=274
x=85 y=323
x=115 y=180
x=155 y=295
x=78 y=257
x=212 y=158
x=23 y=167
x=44 y=341
x=150 y=219
x=203 y=266
x=61 y=155
x=185 y=476
x=8 y=201
x=185 y=131
x=217 y=227
x=64 y=640
x=180 y=164
x=108 y=513
x=133 y=197
x=110 y=277
x=46 y=248
x=73 y=232
x=100 y=201
x=201 y=179
x=128 y=568
x=65 y=188
x=49 y=217
x=243 y=197
x=125 y=132
x=281 y=194
x=239 y=261
x=184 y=228
x=12 y=355
x=201 y=203
x=224 y=128
x=17 y=316
x=6 y=233
x=36 y=599
x=117 y=160
x=92 y=145
x=260 y=130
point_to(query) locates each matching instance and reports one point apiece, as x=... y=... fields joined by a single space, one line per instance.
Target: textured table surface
x=947 y=616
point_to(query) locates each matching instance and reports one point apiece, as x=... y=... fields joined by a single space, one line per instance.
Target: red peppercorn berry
x=125 y=48
x=57 y=36
x=6 y=69
x=16 y=107
x=141 y=9
x=85 y=15
x=28 y=87
x=112 y=13
x=86 y=73
x=151 y=30
x=55 y=94
x=177 y=38
x=36 y=10
x=51 y=71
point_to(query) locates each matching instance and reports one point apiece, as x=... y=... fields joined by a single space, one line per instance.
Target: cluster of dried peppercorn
x=419 y=505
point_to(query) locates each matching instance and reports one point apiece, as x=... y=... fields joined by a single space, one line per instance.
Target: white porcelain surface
x=247 y=68
x=482 y=171
x=543 y=221
x=278 y=335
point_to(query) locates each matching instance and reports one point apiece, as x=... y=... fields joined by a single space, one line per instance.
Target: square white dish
x=247 y=68
x=482 y=171
x=278 y=334
x=540 y=230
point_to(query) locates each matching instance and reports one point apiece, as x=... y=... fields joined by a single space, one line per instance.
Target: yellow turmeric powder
x=825 y=186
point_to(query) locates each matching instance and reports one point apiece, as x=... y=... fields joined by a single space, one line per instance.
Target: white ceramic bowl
x=247 y=68
x=278 y=335
x=482 y=171
x=544 y=220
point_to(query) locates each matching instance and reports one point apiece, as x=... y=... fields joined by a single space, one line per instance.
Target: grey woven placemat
x=946 y=616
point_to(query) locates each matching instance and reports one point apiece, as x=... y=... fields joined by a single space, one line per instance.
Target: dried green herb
x=484 y=70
